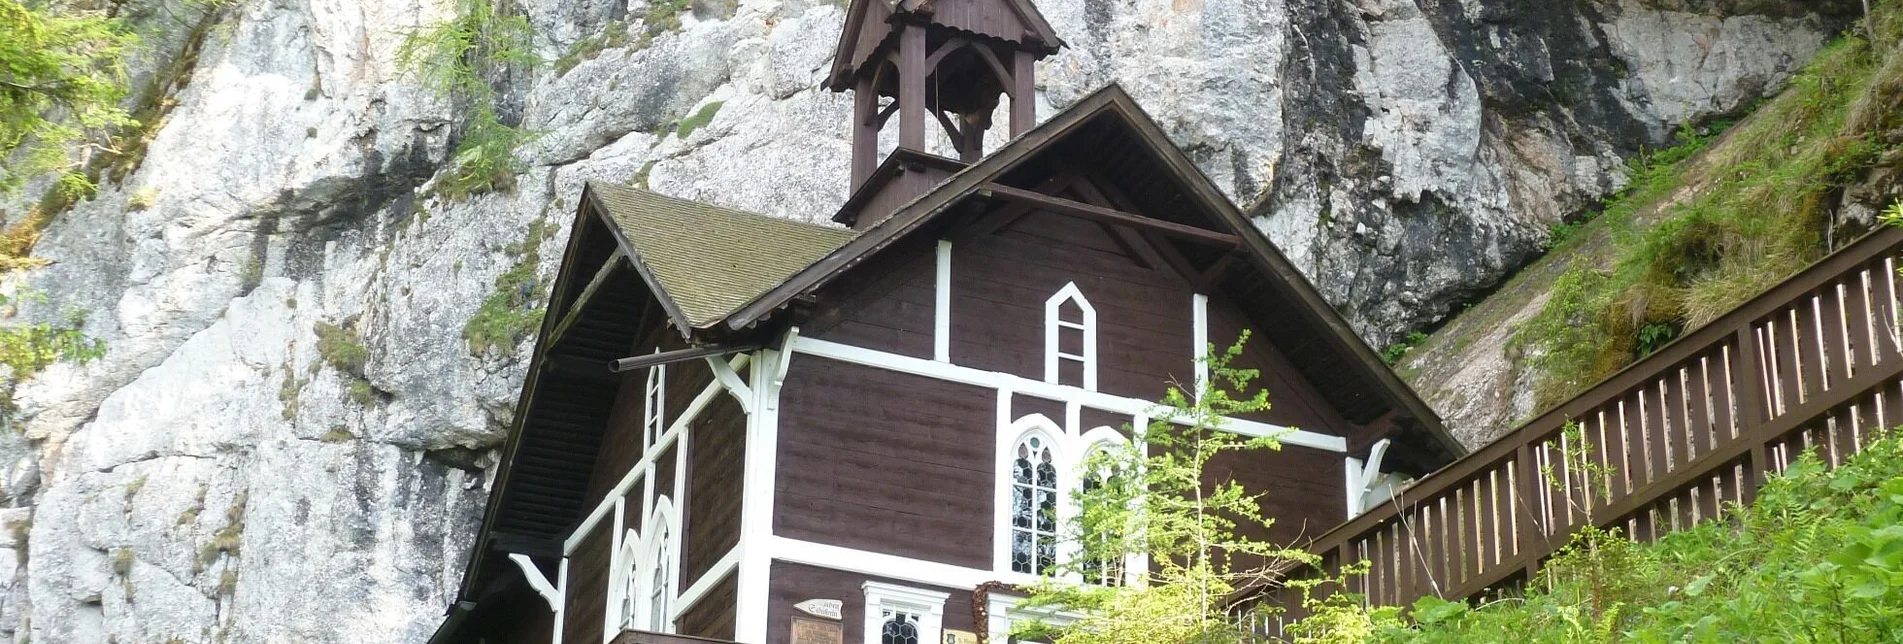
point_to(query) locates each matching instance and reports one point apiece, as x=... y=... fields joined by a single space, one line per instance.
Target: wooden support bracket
x=730 y=381
x=538 y=581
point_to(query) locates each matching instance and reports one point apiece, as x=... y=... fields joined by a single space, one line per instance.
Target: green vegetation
x=613 y=36
x=1398 y=350
x=142 y=198
x=1155 y=500
x=513 y=310
x=1817 y=558
x=461 y=59
x=58 y=61
x=341 y=347
x=337 y=434
x=1704 y=226
x=665 y=15
x=227 y=541
x=26 y=349
x=699 y=119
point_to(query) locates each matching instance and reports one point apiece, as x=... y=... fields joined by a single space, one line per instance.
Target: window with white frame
x=1070 y=339
x=1034 y=497
x=626 y=584
x=653 y=416
x=1105 y=570
x=903 y=615
x=646 y=595
x=1041 y=477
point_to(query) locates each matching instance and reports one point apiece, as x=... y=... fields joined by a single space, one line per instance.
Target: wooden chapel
x=749 y=429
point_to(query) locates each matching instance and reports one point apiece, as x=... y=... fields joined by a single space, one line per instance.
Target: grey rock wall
x=217 y=479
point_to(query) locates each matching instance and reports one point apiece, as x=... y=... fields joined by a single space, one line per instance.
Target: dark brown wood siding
x=888 y=305
x=795 y=583
x=712 y=616
x=886 y=462
x=664 y=476
x=587 y=592
x=1000 y=282
x=1303 y=489
x=1293 y=400
x=621 y=444
x=716 y=460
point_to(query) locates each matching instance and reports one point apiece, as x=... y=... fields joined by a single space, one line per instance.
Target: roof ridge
x=599 y=184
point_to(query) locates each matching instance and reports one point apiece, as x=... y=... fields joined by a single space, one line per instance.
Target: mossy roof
x=708 y=260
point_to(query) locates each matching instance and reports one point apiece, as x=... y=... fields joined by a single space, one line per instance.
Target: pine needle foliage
x=61 y=81
x=1155 y=498
x=461 y=59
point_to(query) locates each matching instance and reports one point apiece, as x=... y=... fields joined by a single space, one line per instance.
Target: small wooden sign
x=960 y=637
x=827 y=608
x=813 y=631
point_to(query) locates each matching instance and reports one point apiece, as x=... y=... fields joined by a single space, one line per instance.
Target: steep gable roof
x=1161 y=175
x=705 y=261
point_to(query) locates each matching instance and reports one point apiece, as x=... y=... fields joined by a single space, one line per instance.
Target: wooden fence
x=1813 y=363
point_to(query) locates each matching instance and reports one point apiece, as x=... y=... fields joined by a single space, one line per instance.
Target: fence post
x=1531 y=532
x=1749 y=378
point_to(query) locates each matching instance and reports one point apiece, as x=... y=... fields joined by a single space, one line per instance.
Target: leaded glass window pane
x=659 y=590
x=1034 y=496
x=900 y=628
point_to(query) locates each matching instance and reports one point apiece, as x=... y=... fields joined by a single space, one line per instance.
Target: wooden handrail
x=1757 y=423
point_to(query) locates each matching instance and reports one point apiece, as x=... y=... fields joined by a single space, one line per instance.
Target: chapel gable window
x=1070 y=339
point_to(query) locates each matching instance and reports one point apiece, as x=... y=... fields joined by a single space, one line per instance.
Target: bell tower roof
x=873 y=27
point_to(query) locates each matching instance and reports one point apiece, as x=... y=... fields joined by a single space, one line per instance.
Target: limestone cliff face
x=229 y=473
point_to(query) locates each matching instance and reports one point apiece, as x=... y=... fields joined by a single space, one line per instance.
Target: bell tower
x=937 y=63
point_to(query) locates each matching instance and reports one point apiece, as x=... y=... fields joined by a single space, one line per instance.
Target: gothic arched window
x=1034 y=498
x=629 y=586
x=659 y=588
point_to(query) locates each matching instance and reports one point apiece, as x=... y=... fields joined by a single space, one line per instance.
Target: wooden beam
x=1083 y=210
x=677 y=355
x=951 y=132
x=1213 y=275
x=573 y=314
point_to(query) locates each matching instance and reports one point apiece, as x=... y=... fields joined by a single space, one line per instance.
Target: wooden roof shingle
x=705 y=260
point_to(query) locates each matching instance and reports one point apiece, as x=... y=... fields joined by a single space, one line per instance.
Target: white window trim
x=929 y=605
x=1068 y=450
x=663 y=531
x=1054 y=323
x=1136 y=565
x=628 y=561
x=653 y=407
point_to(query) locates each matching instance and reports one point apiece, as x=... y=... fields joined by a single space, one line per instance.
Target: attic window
x=653 y=416
x=1070 y=339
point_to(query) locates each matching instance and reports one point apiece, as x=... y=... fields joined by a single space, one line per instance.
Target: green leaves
x=61 y=79
x=460 y=59
x=1154 y=499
